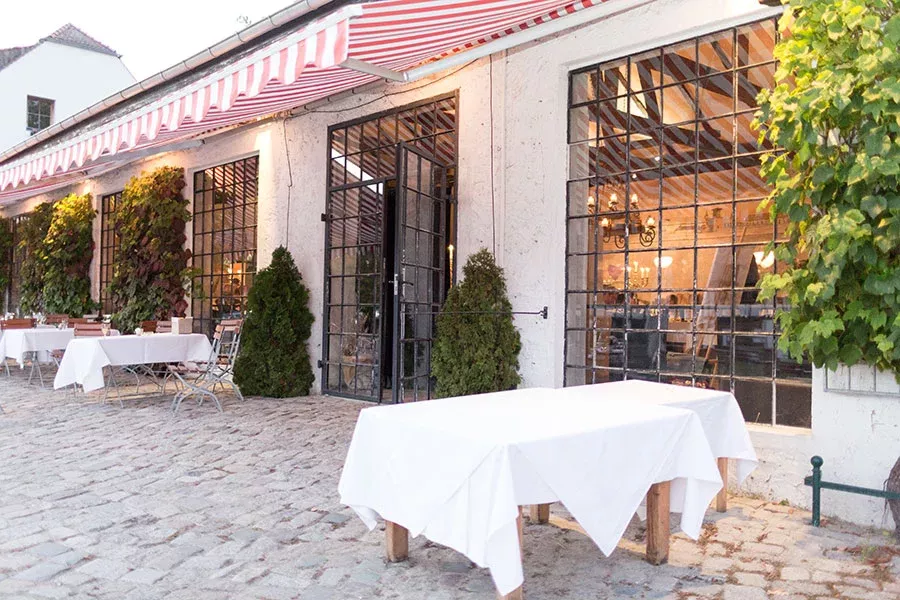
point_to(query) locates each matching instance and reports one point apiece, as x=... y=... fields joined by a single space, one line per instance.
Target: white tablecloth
x=15 y=343
x=456 y=470
x=719 y=413
x=85 y=358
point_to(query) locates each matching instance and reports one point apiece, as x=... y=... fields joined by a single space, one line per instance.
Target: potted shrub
x=274 y=358
x=476 y=348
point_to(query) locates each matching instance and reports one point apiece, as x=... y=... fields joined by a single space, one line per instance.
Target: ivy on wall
x=836 y=114
x=34 y=231
x=150 y=272
x=68 y=249
x=6 y=241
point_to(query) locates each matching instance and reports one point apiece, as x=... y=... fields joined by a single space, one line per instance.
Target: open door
x=419 y=270
x=354 y=276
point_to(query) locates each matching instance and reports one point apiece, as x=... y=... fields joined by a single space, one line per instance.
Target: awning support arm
x=364 y=67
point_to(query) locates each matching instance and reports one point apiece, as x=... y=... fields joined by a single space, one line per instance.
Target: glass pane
x=612 y=79
x=584 y=87
x=755 y=42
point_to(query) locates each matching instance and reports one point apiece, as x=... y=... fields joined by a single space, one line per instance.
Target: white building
x=541 y=135
x=45 y=83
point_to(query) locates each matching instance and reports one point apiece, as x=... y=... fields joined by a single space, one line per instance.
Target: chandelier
x=618 y=227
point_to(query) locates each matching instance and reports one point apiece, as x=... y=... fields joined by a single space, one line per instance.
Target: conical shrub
x=476 y=348
x=274 y=358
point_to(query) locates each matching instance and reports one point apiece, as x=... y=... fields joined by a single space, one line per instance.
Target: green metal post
x=816 y=488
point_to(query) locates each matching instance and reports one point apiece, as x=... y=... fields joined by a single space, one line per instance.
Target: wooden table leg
x=396 y=542
x=658 y=523
x=518 y=593
x=722 y=496
x=539 y=513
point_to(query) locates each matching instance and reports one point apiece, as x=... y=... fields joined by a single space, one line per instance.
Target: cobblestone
x=103 y=502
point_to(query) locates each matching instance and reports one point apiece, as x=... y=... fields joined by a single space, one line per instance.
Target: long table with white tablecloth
x=85 y=358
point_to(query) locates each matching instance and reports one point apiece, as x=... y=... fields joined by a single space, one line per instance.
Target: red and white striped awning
x=297 y=69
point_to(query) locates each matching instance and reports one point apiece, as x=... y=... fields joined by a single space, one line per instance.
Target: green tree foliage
x=68 y=250
x=6 y=249
x=836 y=114
x=274 y=358
x=150 y=273
x=476 y=349
x=34 y=260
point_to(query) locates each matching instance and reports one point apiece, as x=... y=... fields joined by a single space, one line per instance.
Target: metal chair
x=14 y=324
x=203 y=378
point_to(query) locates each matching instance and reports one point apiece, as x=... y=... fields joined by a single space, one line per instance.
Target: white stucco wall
x=855 y=432
x=72 y=77
x=522 y=95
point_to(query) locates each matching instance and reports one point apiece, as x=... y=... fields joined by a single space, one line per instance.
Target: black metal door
x=354 y=297
x=419 y=270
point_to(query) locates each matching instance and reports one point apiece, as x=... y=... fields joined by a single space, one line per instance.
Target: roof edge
x=253 y=32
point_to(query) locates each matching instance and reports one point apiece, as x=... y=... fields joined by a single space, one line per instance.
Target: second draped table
x=85 y=358
x=16 y=343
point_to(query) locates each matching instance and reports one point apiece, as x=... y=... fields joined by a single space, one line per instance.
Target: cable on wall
x=493 y=203
x=287 y=154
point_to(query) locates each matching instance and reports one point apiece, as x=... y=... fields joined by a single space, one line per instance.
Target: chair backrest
x=17 y=324
x=164 y=327
x=227 y=340
x=149 y=326
x=88 y=329
x=56 y=319
x=73 y=321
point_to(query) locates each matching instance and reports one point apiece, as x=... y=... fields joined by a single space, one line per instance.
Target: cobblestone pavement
x=98 y=501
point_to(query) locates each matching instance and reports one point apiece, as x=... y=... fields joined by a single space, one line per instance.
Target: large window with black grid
x=224 y=249
x=109 y=243
x=665 y=242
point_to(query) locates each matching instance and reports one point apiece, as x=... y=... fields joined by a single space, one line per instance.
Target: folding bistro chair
x=203 y=378
x=14 y=324
x=56 y=319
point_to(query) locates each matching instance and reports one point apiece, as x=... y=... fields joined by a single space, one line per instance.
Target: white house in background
x=61 y=74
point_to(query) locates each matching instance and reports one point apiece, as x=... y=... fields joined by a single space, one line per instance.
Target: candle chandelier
x=618 y=227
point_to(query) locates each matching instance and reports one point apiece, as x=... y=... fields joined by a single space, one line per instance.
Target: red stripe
x=396 y=34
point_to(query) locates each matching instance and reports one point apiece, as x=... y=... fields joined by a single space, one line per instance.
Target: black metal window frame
x=225 y=217
x=109 y=245
x=627 y=169
x=39 y=113
x=379 y=162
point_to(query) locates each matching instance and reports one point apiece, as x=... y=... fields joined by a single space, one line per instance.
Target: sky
x=151 y=35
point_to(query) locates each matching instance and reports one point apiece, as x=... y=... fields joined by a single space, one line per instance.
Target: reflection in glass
x=666 y=147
